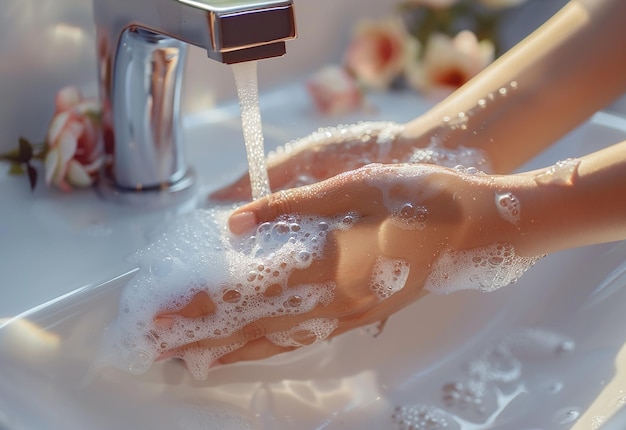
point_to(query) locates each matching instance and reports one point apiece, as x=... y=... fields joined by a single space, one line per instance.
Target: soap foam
x=389 y=277
x=485 y=269
x=244 y=276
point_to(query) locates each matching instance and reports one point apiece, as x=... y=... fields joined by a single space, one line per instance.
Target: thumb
x=338 y=195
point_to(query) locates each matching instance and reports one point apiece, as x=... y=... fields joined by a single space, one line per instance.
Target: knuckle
x=280 y=203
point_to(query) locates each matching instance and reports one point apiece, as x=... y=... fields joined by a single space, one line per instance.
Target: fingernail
x=241 y=222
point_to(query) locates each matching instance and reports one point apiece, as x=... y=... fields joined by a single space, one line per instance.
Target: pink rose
x=378 y=52
x=449 y=63
x=73 y=154
x=335 y=91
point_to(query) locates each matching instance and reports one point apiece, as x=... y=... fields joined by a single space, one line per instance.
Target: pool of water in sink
x=534 y=355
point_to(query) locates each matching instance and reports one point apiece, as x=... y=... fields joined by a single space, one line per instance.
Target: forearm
x=579 y=203
x=568 y=69
x=556 y=214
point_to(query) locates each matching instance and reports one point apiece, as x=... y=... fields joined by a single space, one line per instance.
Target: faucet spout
x=142 y=47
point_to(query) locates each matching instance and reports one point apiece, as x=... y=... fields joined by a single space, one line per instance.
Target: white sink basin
x=544 y=353
x=533 y=355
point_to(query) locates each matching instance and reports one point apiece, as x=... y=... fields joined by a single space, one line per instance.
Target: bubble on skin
x=508 y=207
x=402 y=177
x=306 y=333
x=382 y=134
x=485 y=269
x=388 y=277
x=410 y=216
x=470 y=171
x=251 y=264
x=562 y=173
x=435 y=153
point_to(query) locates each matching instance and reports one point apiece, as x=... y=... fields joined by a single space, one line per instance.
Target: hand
x=324 y=154
x=407 y=216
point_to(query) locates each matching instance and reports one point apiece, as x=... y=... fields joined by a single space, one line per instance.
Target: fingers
x=335 y=196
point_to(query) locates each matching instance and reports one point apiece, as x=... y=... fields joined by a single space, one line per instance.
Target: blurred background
x=47 y=44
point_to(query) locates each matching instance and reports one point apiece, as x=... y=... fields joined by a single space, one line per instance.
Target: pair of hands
x=451 y=211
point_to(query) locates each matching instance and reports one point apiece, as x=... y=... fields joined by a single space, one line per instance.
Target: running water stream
x=247 y=90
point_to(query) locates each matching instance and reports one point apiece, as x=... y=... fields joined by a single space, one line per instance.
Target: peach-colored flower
x=334 y=91
x=501 y=4
x=448 y=63
x=377 y=53
x=73 y=153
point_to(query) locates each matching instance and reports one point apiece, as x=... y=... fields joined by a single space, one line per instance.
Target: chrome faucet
x=142 y=47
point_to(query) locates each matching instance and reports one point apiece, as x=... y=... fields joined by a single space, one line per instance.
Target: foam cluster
x=485 y=269
x=245 y=277
x=389 y=277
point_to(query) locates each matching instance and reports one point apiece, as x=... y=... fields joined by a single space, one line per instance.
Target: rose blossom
x=73 y=153
x=378 y=52
x=449 y=63
x=335 y=91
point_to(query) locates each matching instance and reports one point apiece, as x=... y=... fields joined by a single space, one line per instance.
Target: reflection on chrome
x=141 y=54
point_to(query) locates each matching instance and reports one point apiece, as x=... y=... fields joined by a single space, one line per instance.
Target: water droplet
x=294 y=301
x=347 y=220
x=411 y=216
x=280 y=229
x=231 y=296
x=303 y=337
x=562 y=173
x=565 y=346
x=263 y=228
x=566 y=415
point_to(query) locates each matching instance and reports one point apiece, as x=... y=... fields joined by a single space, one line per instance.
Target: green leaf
x=16 y=169
x=95 y=116
x=12 y=155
